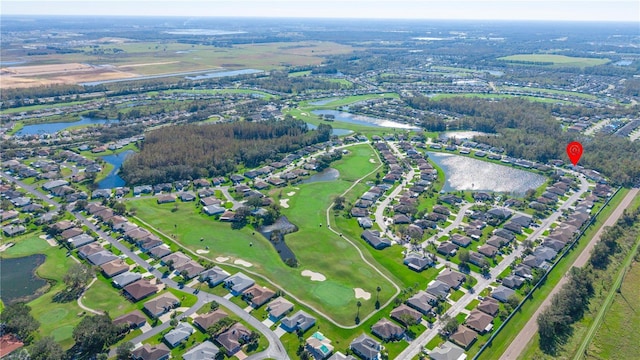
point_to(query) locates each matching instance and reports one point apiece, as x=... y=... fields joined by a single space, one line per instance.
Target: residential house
x=114 y=267
x=365 y=347
x=81 y=240
x=132 y=320
x=479 y=321
x=258 y=295
x=209 y=319
x=545 y=253
x=179 y=334
x=452 y=278
x=464 y=337
x=166 y=198
x=140 y=289
x=238 y=283
x=213 y=210
x=460 y=240
x=101 y=257
x=404 y=313
x=448 y=351
x=175 y=259
x=340 y=356
x=278 y=308
x=204 y=351
x=513 y=282
x=89 y=249
x=374 y=239
x=502 y=293
x=439 y=289
x=231 y=340
x=387 y=330
x=477 y=259
x=160 y=251
x=422 y=301
x=447 y=248
x=214 y=276
x=161 y=304
x=298 y=321
x=125 y=279
x=489 y=306
x=190 y=269
x=151 y=352
x=13 y=230
x=418 y=262
x=488 y=250
x=319 y=346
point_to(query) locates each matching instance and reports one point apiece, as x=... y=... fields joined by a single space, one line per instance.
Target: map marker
x=574 y=151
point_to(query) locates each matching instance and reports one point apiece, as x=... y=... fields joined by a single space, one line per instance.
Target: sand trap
x=361 y=294
x=222 y=259
x=315 y=276
x=291 y=193
x=201 y=251
x=284 y=203
x=372 y=161
x=243 y=263
x=49 y=240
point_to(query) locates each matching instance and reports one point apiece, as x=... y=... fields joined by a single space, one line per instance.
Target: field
x=314 y=246
x=501 y=96
x=555 y=60
x=148 y=58
x=56 y=319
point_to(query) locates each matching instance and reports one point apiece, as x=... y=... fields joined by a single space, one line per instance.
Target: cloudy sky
x=573 y=10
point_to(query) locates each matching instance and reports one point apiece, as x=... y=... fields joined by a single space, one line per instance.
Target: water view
x=461 y=134
x=323 y=101
x=363 y=120
x=336 y=132
x=220 y=74
x=465 y=173
x=51 y=128
x=328 y=174
x=18 y=279
x=114 y=180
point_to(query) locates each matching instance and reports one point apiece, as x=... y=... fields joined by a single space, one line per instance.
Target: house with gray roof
x=231 y=340
x=448 y=351
x=452 y=278
x=81 y=240
x=204 y=351
x=101 y=257
x=386 y=330
x=418 y=262
x=439 y=289
x=298 y=321
x=213 y=210
x=545 y=253
x=374 y=239
x=422 y=301
x=214 y=276
x=13 y=230
x=161 y=304
x=502 y=293
x=512 y=281
x=238 y=283
x=125 y=279
x=340 y=356
x=179 y=334
x=278 y=308
x=365 y=347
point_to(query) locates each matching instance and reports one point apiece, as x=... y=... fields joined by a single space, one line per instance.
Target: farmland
x=554 y=60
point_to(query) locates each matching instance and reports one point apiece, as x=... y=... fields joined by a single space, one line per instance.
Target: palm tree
x=358 y=304
x=378 y=289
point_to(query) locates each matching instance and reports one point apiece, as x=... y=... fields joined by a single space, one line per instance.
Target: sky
x=571 y=10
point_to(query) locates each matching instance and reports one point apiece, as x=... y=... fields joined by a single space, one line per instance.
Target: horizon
x=620 y=11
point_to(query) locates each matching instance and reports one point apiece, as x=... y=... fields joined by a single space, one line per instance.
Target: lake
x=220 y=74
x=362 y=119
x=323 y=101
x=51 y=128
x=465 y=173
x=18 y=279
x=461 y=134
x=336 y=132
x=113 y=180
x=328 y=174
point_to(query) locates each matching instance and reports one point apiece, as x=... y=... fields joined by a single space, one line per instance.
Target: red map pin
x=574 y=151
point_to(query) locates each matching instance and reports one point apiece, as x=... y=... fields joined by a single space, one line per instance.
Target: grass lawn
x=102 y=296
x=315 y=247
x=556 y=60
x=456 y=295
x=472 y=305
x=56 y=319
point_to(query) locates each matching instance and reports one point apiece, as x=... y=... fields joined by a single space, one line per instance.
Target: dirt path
x=519 y=343
x=86 y=308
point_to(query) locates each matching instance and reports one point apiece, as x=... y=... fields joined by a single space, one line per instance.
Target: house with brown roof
x=422 y=301
x=166 y=198
x=209 y=319
x=132 y=320
x=402 y=313
x=279 y=308
x=89 y=249
x=452 y=278
x=114 y=267
x=191 y=268
x=489 y=306
x=258 y=295
x=149 y=352
x=71 y=232
x=8 y=344
x=464 y=337
x=161 y=304
x=488 y=250
x=387 y=330
x=140 y=289
x=479 y=321
x=231 y=340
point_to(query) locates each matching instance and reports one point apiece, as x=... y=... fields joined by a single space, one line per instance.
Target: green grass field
x=556 y=60
x=501 y=96
x=56 y=319
x=314 y=246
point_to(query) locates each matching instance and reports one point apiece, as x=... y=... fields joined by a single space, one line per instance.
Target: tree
x=214 y=305
x=463 y=255
x=358 y=304
x=46 y=349
x=254 y=201
x=119 y=208
x=77 y=276
x=378 y=289
x=18 y=320
x=219 y=327
x=123 y=351
x=450 y=325
x=339 y=203
x=93 y=333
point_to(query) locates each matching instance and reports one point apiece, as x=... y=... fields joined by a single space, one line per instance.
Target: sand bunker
x=372 y=161
x=221 y=259
x=314 y=276
x=361 y=294
x=243 y=263
x=291 y=193
x=284 y=203
x=201 y=251
x=49 y=240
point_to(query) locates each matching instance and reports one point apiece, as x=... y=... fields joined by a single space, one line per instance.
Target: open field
x=501 y=96
x=549 y=91
x=555 y=60
x=149 y=58
x=56 y=319
x=314 y=246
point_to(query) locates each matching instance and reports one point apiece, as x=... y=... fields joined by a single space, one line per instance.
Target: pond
x=282 y=226
x=465 y=173
x=323 y=101
x=220 y=74
x=363 y=120
x=467 y=135
x=113 y=180
x=51 y=128
x=18 y=279
x=336 y=132
x=328 y=174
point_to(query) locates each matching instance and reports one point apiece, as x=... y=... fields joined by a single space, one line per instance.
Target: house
x=439 y=289
x=160 y=251
x=502 y=293
x=422 y=301
x=500 y=213
x=125 y=279
x=447 y=248
x=214 y=276
x=175 y=259
x=341 y=356
x=513 y=227
x=418 y=262
x=13 y=230
x=365 y=347
x=149 y=352
x=101 y=257
x=298 y=321
x=554 y=244
x=523 y=271
x=505 y=234
x=228 y=216
x=232 y=339
x=89 y=249
x=534 y=262
x=477 y=259
x=489 y=306
x=357 y=212
x=161 y=304
x=209 y=319
x=190 y=269
x=213 y=210
x=464 y=337
x=149 y=243
x=114 y=267
x=512 y=281
x=166 y=198
x=187 y=196
x=204 y=351
x=545 y=253
x=374 y=239
x=387 y=330
x=8 y=344
x=71 y=232
x=81 y=240
x=319 y=346
x=452 y=278
x=365 y=223
x=496 y=241
x=132 y=320
x=238 y=283
x=179 y=334
x=258 y=295
x=460 y=240
x=479 y=321
x=403 y=313
x=401 y=219
x=448 y=351
x=140 y=289
x=278 y=308
x=488 y=250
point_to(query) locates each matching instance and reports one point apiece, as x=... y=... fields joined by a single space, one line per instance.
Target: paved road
x=526 y=334
x=416 y=346
x=274 y=350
